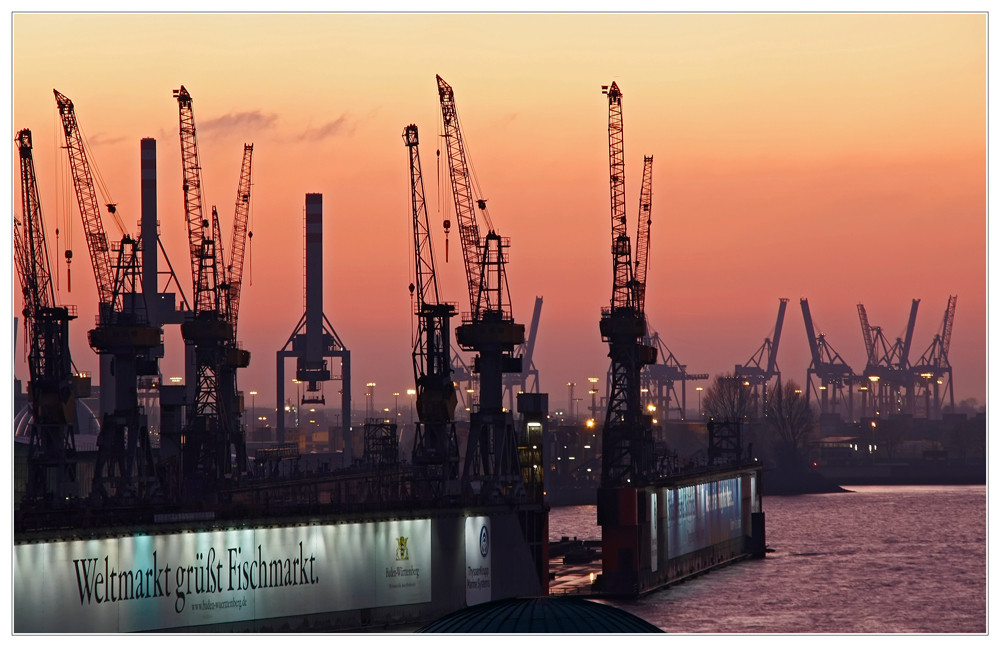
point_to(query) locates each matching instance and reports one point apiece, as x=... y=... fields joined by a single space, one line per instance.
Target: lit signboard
x=151 y=582
x=478 y=560
x=702 y=515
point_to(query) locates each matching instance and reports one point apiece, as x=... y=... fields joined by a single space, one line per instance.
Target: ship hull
x=659 y=534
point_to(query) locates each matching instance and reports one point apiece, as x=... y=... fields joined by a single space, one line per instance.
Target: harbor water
x=875 y=560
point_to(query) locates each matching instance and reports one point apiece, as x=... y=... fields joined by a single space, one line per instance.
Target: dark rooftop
x=540 y=615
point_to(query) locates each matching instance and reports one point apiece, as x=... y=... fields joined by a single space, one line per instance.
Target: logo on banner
x=402 y=552
x=484 y=541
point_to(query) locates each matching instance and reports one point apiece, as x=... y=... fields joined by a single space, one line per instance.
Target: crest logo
x=484 y=541
x=402 y=552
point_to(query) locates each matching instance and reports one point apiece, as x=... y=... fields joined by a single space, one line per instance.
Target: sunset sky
x=840 y=158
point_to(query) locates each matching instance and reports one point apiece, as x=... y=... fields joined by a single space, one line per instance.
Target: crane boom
x=461 y=182
x=904 y=355
x=204 y=280
x=622 y=293
x=645 y=219
x=30 y=250
x=772 y=358
x=947 y=325
x=238 y=248
x=426 y=279
x=86 y=196
x=866 y=332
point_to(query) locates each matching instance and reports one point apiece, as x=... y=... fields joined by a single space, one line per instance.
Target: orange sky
x=841 y=158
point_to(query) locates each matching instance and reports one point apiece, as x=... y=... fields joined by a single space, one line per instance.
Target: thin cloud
x=243 y=121
x=339 y=126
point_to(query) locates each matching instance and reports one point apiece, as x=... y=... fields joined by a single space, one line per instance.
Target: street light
x=699 y=389
x=396 y=395
x=411 y=393
x=253 y=409
x=370 y=395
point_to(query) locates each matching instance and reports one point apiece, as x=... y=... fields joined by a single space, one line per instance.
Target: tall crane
x=123 y=337
x=932 y=372
x=435 y=445
x=762 y=366
x=887 y=370
x=830 y=369
x=213 y=434
x=491 y=461
x=52 y=389
x=627 y=457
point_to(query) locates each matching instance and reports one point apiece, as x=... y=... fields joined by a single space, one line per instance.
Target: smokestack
x=314 y=276
x=148 y=229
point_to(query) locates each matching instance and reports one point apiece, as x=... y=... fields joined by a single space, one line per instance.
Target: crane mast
x=627 y=457
x=52 y=386
x=435 y=445
x=492 y=467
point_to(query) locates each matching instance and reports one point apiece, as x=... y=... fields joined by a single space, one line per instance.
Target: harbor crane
x=762 y=367
x=53 y=387
x=628 y=455
x=932 y=372
x=435 y=445
x=889 y=377
x=659 y=380
x=527 y=380
x=126 y=342
x=492 y=466
x=214 y=433
x=830 y=370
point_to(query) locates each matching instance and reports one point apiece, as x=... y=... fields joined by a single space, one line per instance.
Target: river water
x=875 y=560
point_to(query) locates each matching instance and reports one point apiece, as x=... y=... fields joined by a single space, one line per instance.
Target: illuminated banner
x=702 y=515
x=478 y=560
x=151 y=582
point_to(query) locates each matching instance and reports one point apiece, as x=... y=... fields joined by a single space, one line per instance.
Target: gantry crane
x=659 y=380
x=628 y=457
x=527 y=380
x=932 y=372
x=889 y=377
x=53 y=387
x=491 y=460
x=762 y=367
x=830 y=369
x=214 y=433
x=123 y=338
x=435 y=445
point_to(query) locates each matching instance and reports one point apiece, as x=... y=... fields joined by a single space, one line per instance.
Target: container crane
x=491 y=460
x=435 y=445
x=53 y=388
x=660 y=379
x=627 y=442
x=887 y=370
x=762 y=366
x=932 y=372
x=123 y=338
x=830 y=369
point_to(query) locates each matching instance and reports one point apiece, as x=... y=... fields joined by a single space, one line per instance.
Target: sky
x=835 y=157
